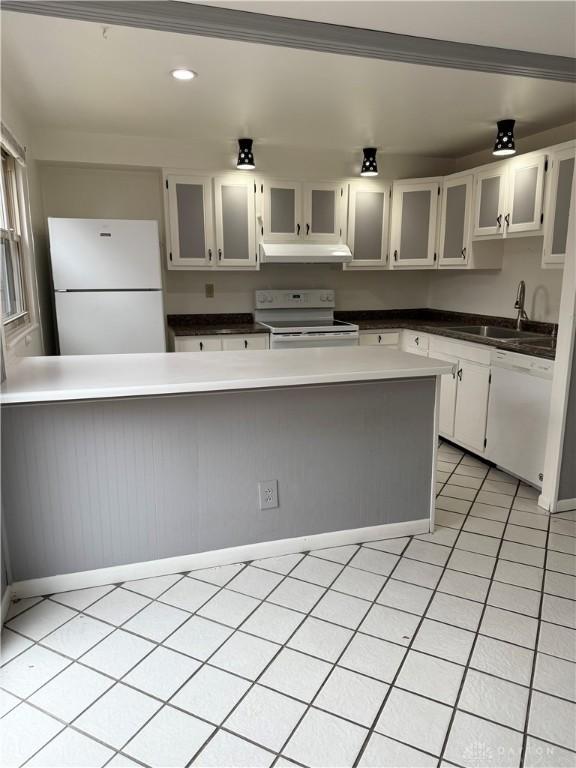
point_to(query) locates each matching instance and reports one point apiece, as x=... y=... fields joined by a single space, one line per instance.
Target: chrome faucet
x=519 y=305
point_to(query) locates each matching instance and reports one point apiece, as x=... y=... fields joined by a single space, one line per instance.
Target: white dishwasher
x=518 y=412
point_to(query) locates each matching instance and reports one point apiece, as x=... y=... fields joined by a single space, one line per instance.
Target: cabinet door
x=448 y=386
x=525 y=193
x=558 y=202
x=235 y=222
x=414 y=219
x=415 y=343
x=252 y=341
x=198 y=344
x=323 y=205
x=489 y=194
x=455 y=221
x=190 y=217
x=368 y=209
x=380 y=339
x=282 y=214
x=472 y=405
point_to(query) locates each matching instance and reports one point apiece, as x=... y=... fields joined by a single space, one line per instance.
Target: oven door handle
x=313 y=337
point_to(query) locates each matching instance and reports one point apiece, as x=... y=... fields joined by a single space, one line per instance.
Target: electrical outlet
x=209 y=290
x=268 y=494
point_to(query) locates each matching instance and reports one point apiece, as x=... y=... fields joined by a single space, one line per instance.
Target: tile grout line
x=281 y=647
x=372 y=728
x=535 y=658
x=355 y=632
x=476 y=635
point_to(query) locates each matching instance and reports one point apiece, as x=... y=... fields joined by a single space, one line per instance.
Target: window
x=14 y=294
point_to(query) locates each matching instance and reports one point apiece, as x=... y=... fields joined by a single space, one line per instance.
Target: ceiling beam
x=224 y=23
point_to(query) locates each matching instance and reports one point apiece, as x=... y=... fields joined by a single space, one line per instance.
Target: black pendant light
x=245 y=160
x=369 y=165
x=504 y=144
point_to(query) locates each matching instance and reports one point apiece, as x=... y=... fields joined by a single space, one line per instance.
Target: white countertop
x=97 y=377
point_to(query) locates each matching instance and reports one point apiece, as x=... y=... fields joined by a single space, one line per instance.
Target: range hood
x=304 y=253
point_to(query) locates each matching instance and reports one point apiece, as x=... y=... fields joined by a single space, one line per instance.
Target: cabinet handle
x=209 y=254
x=460 y=374
x=219 y=254
x=463 y=253
x=298 y=229
x=307 y=229
x=507 y=219
x=499 y=219
x=201 y=346
x=245 y=343
x=417 y=341
x=379 y=339
x=395 y=255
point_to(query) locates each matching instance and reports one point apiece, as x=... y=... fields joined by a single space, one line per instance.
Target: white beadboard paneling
x=97 y=485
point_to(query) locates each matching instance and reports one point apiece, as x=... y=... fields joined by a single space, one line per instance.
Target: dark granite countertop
x=207 y=325
x=439 y=322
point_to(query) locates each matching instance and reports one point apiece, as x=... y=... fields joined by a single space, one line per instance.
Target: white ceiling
x=543 y=26
x=68 y=76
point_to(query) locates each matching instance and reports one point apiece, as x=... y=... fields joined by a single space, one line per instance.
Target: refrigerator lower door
x=107 y=322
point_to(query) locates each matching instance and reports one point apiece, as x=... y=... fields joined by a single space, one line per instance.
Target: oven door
x=310 y=340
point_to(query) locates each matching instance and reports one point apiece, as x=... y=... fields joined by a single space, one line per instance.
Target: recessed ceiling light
x=183 y=74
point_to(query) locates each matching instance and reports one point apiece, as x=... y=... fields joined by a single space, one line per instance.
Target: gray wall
x=100 y=484
x=567 y=488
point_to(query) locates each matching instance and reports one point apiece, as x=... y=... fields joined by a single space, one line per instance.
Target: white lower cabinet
x=219 y=343
x=464 y=395
x=253 y=341
x=414 y=342
x=471 y=413
x=197 y=344
x=448 y=388
x=380 y=338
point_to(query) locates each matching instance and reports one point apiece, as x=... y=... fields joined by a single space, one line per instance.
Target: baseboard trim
x=565 y=505
x=131 y=571
x=6 y=599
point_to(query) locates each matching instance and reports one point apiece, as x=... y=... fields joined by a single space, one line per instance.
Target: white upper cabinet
x=557 y=206
x=414 y=221
x=281 y=211
x=368 y=215
x=509 y=197
x=455 y=220
x=293 y=211
x=490 y=198
x=525 y=189
x=323 y=207
x=235 y=219
x=190 y=221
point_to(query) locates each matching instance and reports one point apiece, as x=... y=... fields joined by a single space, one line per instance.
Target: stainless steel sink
x=494 y=332
x=545 y=343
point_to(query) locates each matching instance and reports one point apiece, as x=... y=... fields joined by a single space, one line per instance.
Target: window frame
x=19 y=239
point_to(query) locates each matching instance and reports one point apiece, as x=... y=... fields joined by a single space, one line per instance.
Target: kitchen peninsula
x=122 y=466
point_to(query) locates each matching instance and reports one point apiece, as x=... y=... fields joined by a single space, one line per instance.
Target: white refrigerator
x=107 y=286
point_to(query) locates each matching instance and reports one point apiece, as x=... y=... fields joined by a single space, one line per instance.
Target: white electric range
x=303 y=319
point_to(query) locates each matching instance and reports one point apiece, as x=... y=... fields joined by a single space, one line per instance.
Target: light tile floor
x=456 y=648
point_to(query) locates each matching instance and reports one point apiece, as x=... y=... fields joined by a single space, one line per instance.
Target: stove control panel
x=310 y=299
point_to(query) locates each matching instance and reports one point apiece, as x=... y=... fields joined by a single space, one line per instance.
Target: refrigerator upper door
x=92 y=323
x=104 y=254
